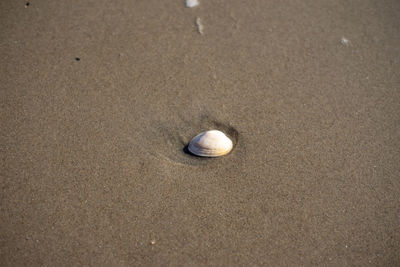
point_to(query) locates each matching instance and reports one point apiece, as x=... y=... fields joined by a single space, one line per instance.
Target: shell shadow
x=187 y=151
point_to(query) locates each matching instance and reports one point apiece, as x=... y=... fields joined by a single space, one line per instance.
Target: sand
x=99 y=99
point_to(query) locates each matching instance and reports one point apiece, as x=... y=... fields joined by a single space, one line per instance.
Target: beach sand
x=99 y=99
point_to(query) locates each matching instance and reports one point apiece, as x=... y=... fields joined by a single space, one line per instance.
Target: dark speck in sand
x=27 y=4
x=77 y=59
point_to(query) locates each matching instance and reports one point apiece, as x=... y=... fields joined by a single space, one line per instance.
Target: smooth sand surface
x=94 y=171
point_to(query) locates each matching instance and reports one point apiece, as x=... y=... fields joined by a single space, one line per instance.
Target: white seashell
x=212 y=143
x=344 y=41
x=192 y=3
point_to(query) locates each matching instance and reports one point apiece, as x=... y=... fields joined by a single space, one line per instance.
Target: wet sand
x=99 y=99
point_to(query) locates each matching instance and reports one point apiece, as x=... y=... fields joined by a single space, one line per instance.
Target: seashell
x=192 y=3
x=211 y=143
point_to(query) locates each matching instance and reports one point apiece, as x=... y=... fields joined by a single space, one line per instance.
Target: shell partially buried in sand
x=211 y=143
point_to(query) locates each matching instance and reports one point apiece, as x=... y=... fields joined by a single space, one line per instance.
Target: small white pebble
x=344 y=41
x=199 y=26
x=192 y=3
x=153 y=242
